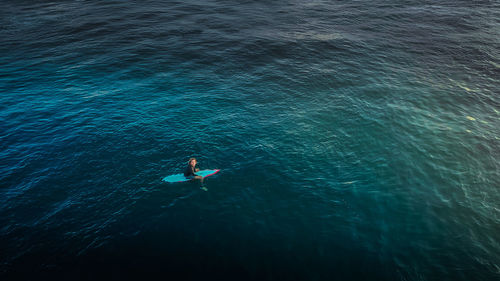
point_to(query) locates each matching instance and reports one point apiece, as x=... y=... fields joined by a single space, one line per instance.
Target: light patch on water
x=471 y=118
x=96 y=94
x=494 y=64
x=465 y=88
x=310 y=35
x=305 y=35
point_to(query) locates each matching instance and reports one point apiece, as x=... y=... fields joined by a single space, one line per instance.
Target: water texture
x=357 y=140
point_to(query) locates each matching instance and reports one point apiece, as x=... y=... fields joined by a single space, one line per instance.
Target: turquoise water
x=356 y=140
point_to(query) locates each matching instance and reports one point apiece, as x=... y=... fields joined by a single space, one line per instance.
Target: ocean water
x=357 y=140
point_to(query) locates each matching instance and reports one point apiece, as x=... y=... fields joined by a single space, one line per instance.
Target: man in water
x=190 y=171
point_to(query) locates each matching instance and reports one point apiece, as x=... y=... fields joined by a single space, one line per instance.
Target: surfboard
x=181 y=177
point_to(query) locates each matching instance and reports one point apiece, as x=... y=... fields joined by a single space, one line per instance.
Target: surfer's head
x=192 y=162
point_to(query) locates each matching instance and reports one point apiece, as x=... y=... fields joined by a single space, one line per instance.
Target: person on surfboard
x=191 y=169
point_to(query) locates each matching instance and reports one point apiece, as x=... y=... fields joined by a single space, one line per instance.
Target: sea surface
x=357 y=140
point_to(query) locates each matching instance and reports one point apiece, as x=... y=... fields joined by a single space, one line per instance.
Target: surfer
x=191 y=169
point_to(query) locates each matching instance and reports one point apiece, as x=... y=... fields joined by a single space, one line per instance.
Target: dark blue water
x=357 y=140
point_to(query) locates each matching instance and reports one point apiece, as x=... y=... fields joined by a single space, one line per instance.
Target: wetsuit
x=189 y=172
